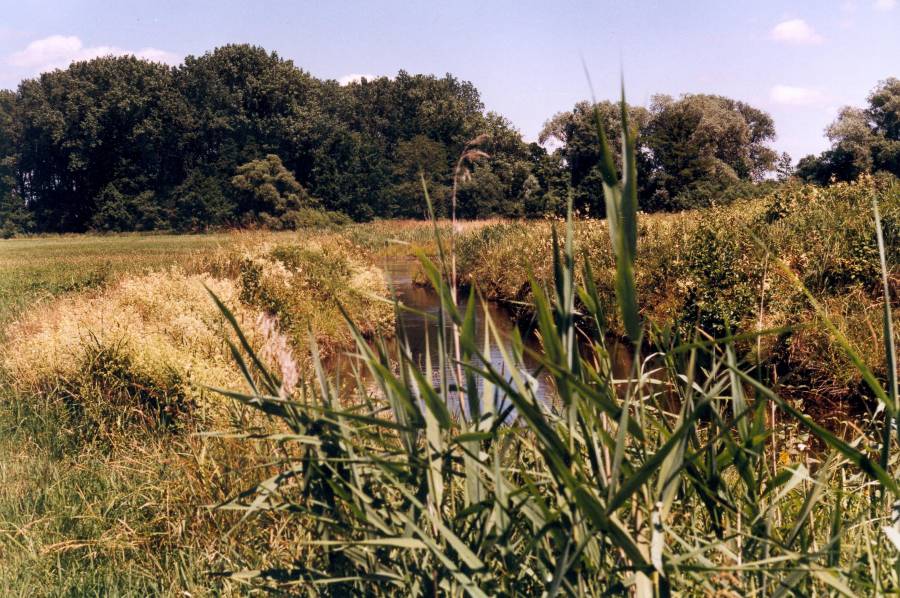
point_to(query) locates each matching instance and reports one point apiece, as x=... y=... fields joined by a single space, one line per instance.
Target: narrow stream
x=421 y=329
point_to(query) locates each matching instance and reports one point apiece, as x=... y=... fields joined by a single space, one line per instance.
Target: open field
x=109 y=343
x=38 y=269
x=100 y=498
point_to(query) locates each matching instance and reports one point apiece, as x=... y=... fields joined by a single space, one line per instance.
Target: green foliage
x=111 y=394
x=419 y=156
x=117 y=212
x=669 y=481
x=107 y=120
x=170 y=140
x=316 y=218
x=483 y=194
x=550 y=195
x=689 y=152
x=303 y=287
x=269 y=194
x=702 y=144
x=175 y=138
x=831 y=230
x=577 y=135
x=884 y=108
x=380 y=483
x=723 y=288
x=706 y=270
x=202 y=202
x=863 y=140
x=15 y=218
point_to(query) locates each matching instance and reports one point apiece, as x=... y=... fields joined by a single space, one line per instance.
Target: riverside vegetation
x=132 y=401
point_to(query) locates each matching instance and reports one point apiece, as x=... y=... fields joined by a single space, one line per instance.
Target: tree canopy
x=239 y=136
x=689 y=149
x=862 y=139
x=118 y=143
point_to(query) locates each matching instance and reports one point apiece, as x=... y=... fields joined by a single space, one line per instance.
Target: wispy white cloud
x=58 y=51
x=355 y=78
x=795 y=96
x=795 y=31
x=885 y=4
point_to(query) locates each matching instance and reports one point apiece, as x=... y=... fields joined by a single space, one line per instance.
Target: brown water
x=421 y=330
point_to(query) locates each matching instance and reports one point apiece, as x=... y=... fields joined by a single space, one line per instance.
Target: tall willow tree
x=862 y=139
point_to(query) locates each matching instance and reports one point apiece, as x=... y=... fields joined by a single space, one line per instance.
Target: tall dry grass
x=103 y=392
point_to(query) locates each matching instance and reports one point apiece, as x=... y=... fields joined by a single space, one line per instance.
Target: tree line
x=242 y=137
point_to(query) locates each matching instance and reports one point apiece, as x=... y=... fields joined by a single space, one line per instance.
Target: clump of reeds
x=680 y=479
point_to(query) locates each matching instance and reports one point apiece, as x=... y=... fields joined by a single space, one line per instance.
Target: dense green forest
x=241 y=137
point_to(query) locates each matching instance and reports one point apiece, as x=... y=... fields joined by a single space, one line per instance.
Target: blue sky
x=798 y=59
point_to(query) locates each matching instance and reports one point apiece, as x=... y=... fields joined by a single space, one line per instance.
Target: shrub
x=302 y=285
x=15 y=217
x=118 y=212
x=202 y=203
x=268 y=193
x=722 y=281
x=826 y=233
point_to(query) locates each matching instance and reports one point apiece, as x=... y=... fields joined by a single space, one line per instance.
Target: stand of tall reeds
x=652 y=485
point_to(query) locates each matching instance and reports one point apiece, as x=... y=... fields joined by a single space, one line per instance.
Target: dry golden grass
x=104 y=492
x=163 y=325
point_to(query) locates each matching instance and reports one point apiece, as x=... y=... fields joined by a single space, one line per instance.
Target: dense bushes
x=269 y=194
x=117 y=212
x=709 y=268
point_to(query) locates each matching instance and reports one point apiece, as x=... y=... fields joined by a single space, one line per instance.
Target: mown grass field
x=34 y=270
x=109 y=345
